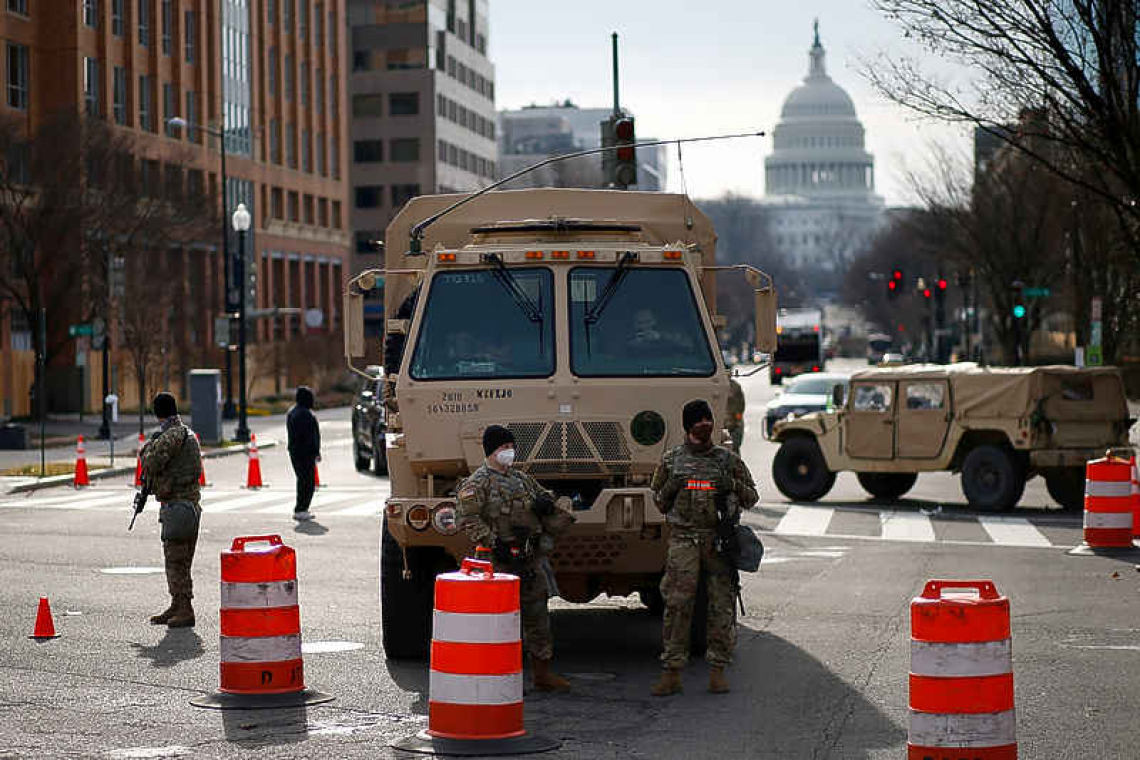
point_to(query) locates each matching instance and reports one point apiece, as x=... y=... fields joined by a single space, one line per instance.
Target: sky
x=691 y=69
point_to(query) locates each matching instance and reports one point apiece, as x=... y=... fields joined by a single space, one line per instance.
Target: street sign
x=76 y=330
x=1094 y=356
x=1097 y=309
x=314 y=318
x=222 y=331
x=1037 y=292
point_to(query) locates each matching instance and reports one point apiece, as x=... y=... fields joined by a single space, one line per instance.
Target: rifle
x=727 y=544
x=140 y=502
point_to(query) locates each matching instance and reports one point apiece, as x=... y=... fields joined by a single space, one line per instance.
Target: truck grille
x=587 y=552
x=587 y=448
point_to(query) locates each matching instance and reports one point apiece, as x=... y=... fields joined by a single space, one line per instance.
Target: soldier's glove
x=543 y=505
x=723 y=488
x=501 y=553
x=672 y=487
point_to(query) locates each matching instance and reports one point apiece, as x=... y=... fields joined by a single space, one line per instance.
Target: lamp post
x=178 y=122
x=241 y=222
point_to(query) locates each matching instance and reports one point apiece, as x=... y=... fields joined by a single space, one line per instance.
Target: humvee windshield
x=650 y=326
x=474 y=327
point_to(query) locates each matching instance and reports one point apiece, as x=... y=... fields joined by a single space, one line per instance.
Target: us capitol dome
x=819 y=179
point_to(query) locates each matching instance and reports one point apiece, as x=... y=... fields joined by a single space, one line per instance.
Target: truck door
x=923 y=418
x=870 y=420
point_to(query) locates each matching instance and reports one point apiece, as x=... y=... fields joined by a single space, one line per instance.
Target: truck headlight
x=445 y=519
x=419 y=517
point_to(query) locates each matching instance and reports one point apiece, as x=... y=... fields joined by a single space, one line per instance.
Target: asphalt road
x=822 y=657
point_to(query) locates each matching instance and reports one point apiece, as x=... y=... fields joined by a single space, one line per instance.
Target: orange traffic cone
x=138 y=461
x=80 y=478
x=45 y=628
x=253 y=475
x=316 y=476
x=202 y=477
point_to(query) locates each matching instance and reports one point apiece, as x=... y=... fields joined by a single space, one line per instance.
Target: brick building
x=272 y=75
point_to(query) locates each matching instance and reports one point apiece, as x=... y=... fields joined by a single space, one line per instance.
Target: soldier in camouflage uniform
x=172 y=465
x=735 y=414
x=686 y=485
x=507 y=511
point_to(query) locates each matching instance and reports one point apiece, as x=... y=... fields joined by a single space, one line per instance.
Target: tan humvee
x=997 y=426
x=581 y=320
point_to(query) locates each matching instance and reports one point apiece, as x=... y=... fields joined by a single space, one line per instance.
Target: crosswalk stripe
x=214 y=505
x=805 y=521
x=73 y=501
x=364 y=509
x=1013 y=531
x=905 y=526
x=319 y=502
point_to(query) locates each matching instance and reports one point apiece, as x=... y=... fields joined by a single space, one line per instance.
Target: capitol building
x=819 y=179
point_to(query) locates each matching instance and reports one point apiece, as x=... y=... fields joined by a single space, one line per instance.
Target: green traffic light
x=1018 y=311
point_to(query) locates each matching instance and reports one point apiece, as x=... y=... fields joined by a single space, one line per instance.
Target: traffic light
x=892 y=289
x=926 y=293
x=1019 y=311
x=940 y=290
x=625 y=158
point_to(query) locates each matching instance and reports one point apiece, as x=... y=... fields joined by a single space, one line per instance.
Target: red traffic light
x=623 y=130
x=942 y=284
x=892 y=285
x=926 y=292
x=897 y=275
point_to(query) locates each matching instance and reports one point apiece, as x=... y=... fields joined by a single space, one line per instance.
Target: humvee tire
x=887 y=486
x=991 y=479
x=405 y=605
x=1067 y=487
x=380 y=454
x=358 y=458
x=800 y=471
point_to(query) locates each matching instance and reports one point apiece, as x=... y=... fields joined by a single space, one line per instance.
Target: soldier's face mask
x=506 y=457
x=702 y=431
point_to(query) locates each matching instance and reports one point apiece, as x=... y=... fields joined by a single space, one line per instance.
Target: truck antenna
x=415 y=244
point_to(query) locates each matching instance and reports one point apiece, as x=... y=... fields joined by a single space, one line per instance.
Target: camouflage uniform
x=491 y=505
x=172 y=465
x=736 y=414
x=684 y=487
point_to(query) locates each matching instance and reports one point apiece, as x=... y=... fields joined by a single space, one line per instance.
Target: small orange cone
x=316 y=476
x=201 y=478
x=45 y=628
x=80 y=478
x=253 y=475
x=138 y=461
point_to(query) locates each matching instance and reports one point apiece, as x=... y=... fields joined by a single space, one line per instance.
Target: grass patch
x=51 y=468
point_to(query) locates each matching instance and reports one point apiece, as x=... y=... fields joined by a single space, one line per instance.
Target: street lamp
x=178 y=122
x=241 y=222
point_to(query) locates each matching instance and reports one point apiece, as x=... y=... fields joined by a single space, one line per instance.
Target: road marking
x=366 y=509
x=1013 y=531
x=245 y=501
x=319 y=502
x=905 y=526
x=73 y=501
x=805 y=521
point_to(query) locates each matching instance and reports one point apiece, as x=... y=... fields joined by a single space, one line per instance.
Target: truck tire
x=379 y=454
x=887 y=486
x=800 y=471
x=405 y=605
x=992 y=479
x=1067 y=487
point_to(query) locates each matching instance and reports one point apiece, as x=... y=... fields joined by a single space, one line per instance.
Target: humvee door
x=870 y=420
x=923 y=418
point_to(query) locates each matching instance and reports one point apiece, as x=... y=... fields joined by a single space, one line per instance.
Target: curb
x=110 y=472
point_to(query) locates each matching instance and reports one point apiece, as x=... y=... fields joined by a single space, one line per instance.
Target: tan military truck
x=579 y=319
x=998 y=427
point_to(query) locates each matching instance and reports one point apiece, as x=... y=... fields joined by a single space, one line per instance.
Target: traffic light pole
x=617 y=101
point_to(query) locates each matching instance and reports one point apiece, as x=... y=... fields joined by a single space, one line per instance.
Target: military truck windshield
x=651 y=327
x=473 y=328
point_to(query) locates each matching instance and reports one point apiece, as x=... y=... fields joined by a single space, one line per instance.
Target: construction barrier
x=138 y=461
x=475 y=693
x=1108 y=503
x=81 y=478
x=253 y=472
x=961 y=674
x=260 y=622
x=1135 y=498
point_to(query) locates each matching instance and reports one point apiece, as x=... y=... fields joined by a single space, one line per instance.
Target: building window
x=305 y=83
x=405 y=149
x=318 y=27
x=318 y=86
x=18 y=6
x=145 y=115
x=333 y=95
x=271 y=11
x=90 y=13
x=288 y=76
x=169 y=108
x=291 y=145
x=190 y=31
x=368 y=151
x=167 y=25
x=321 y=169
x=91 y=86
x=404 y=103
x=303 y=18
x=287 y=15
x=17 y=76
x=334 y=162
x=369 y=196
x=119 y=95
x=306 y=151
x=401 y=194
x=441 y=150
x=367 y=105
x=144 y=22
x=323 y=212
x=117 y=17
x=275 y=141
x=272 y=66
x=191 y=116
x=278 y=203
x=332 y=30
x=294 y=207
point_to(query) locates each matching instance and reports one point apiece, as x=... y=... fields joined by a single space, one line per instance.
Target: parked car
x=803 y=395
x=369 y=424
x=892 y=360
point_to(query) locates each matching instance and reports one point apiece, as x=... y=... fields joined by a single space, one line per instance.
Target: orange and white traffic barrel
x=260 y=621
x=1108 y=503
x=475 y=701
x=1135 y=498
x=961 y=673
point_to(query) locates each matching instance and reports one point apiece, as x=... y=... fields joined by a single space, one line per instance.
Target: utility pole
x=617 y=101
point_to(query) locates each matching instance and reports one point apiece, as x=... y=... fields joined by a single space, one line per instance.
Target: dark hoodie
x=304 y=434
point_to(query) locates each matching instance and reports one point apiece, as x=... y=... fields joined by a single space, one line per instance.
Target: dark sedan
x=369 y=424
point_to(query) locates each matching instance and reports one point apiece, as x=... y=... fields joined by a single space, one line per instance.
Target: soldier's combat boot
x=670 y=683
x=164 y=616
x=718 y=684
x=545 y=679
x=183 y=616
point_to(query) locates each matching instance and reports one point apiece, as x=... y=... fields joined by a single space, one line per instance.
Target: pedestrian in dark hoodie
x=304 y=450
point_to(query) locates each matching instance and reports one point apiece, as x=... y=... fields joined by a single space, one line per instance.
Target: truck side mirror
x=765 y=305
x=838 y=396
x=353 y=323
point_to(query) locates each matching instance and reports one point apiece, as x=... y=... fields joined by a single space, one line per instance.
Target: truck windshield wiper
x=594 y=311
x=528 y=307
